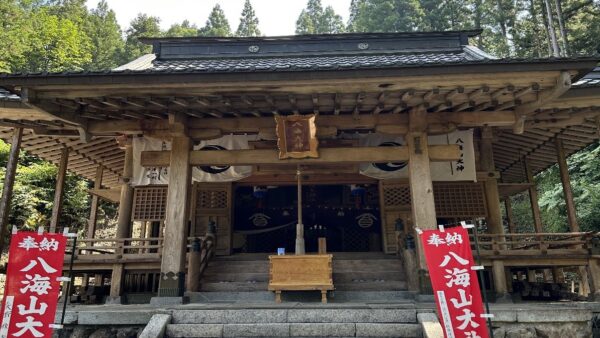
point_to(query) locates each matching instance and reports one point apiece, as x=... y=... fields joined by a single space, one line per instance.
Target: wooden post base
x=278 y=297
x=324 y=296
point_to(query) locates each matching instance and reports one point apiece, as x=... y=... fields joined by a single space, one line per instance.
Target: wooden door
x=213 y=202
x=394 y=197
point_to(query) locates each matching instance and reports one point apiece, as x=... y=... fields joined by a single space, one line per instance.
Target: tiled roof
x=590 y=80
x=308 y=63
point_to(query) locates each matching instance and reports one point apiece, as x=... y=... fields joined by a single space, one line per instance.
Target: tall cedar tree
x=217 y=24
x=316 y=20
x=248 y=22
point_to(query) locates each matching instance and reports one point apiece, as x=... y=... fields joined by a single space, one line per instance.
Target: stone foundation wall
x=542 y=323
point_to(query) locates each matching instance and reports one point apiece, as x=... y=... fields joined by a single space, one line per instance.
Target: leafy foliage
x=217 y=24
x=316 y=20
x=248 y=22
x=183 y=29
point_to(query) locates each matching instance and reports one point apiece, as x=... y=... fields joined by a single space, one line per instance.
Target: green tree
x=105 y=35
x=316 y=20
x=217 y=24
x=14 y=32
x=56 y=44
x=248 y=22
x=385 y=16
x=182 y=30
x=141 y=26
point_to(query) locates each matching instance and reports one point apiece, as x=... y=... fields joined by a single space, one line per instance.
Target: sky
x=276 y=17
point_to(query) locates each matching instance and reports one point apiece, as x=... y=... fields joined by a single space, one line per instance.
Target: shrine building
x=209 y=146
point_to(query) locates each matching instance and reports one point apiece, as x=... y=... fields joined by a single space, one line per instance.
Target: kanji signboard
x=35 y=263
x=296 y=136
x=455 y=285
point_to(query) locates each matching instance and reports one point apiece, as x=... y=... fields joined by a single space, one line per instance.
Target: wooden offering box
x=300 y=273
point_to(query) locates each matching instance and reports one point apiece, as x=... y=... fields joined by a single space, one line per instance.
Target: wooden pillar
x=509 y=215
x=124 y=219
x=533 y=198
x=172 y=272
x=421 y=186
x=531 y=276
x=92 y=221
x=594 y=267
x=492 y=197
x=59 y=190
x=558 y=275
x=126 y=198
x=494 y=219
x=9 y=181
x=566 y=184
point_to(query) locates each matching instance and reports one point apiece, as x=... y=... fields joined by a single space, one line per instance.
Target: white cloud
x=277 y=17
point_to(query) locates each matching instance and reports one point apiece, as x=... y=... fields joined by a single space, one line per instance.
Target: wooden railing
x=528 y=244
x=534 y=243
x=121 y=248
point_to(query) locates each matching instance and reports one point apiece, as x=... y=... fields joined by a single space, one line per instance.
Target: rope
x=255 y=232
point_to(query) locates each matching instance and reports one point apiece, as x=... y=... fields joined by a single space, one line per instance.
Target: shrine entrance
x=348 y=216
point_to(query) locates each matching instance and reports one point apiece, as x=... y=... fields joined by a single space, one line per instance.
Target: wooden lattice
x=459 y=200
x=396 y=195
x=149 y=203
x=212 y=199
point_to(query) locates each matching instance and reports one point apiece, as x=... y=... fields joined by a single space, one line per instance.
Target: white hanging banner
x=461 y=170
x=149 y=175
x=160 y=175
x=223 y=173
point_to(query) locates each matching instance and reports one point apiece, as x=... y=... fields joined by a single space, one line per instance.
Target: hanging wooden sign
x=297 y=136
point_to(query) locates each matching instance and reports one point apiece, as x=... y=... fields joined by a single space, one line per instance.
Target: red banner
x=35 y=263
x=455 y=285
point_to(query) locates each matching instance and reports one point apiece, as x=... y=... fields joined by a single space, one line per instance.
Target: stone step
x=372 y=286
x=212 y=276
x=317 y=314
x=294 y=330
x=348 y=277
x=340 y=296
x=338 y=265
x=365 y=285
x=234 y=286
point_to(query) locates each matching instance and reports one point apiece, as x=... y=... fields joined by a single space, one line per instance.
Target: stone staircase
x=370 y=300
x=361 y=271
x=297 y=320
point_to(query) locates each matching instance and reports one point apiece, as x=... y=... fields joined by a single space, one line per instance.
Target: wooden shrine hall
x=396 y=131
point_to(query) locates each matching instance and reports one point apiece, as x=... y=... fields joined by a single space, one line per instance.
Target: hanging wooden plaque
x=297 y=136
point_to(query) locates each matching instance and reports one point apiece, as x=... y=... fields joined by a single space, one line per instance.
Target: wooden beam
x=29 y=97
x=341 y=122
x=563 y=83
x=326 y=156
x=59 y=191
x=566 y=184
x=9 y=181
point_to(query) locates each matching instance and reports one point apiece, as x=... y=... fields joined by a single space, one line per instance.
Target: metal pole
x=68 y=293
x=480 y=272
x=300 y=248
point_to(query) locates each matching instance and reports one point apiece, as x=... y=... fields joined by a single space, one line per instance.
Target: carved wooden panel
x=212 y=202
x=149 y=203
x=459 y=200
